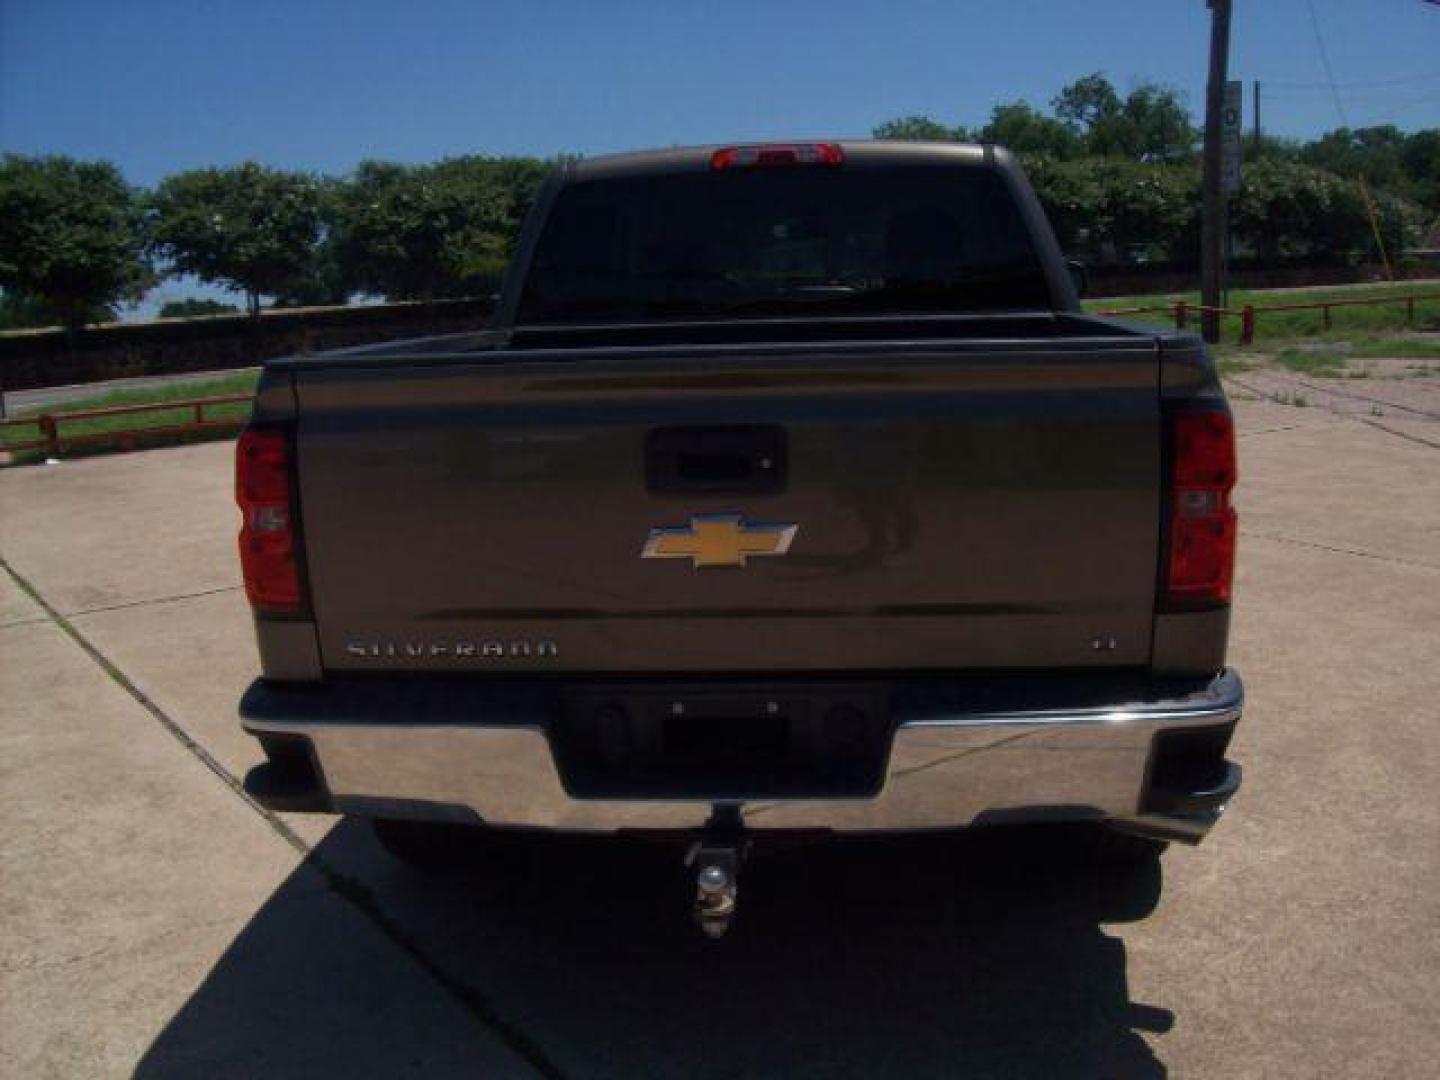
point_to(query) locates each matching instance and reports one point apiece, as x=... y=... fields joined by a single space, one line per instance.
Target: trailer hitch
x=716 y=857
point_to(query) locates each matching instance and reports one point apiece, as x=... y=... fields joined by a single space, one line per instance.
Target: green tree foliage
x=1374 y=152
x=1022 y=129
x=1111 y=209
x=1269 y=147
x=1282 y=207
x=248 y=227
x=411 y=232
x=1119 y=178
x=920 y=129
x=1289 y=209
x=1068 y=199
x=70 y=242
x=1090 y=118
x=191 y=308
x=1150 y=124
x=1087 y=101
x=1386 y=157
x=1420 y=158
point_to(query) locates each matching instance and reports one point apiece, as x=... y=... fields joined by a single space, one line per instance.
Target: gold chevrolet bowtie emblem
x=719 y=540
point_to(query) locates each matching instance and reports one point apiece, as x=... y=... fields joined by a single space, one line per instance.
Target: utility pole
x=1212 y=231
x=1257 y=120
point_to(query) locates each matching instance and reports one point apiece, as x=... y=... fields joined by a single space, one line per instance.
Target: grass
x=1333 y=361
x=1279 y=326
x=1399 y=347
x=1356 y=333
x=1323 y=363
x=136 y=423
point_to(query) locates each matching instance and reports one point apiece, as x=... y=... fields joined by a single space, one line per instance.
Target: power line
x=1345 y=122
x=1325 y=63
x=1364 y=84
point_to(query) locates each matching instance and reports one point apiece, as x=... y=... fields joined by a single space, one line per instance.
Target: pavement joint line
x=1340 y=392
x=1270 y=430
x=348 y=888
x=36 y=621
x=1417 y=439
x=1269 y=396
x=157 y=713
x=1400 y=434
x=1357 y=552
x=154 y=600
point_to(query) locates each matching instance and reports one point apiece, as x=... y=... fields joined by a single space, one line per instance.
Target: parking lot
x=154 y=920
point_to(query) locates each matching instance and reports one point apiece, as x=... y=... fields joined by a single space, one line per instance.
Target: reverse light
x=267 y=531
x=777 y=155
x=1200 y=561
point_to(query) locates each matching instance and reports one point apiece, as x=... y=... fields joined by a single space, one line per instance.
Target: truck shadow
x=979 y=955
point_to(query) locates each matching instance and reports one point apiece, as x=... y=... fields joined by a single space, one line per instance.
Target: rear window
x=773 y=242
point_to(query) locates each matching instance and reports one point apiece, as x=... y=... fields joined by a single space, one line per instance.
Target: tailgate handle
x=721 y=459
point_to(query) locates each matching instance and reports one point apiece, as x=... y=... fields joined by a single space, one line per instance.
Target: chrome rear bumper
x=1153 y=764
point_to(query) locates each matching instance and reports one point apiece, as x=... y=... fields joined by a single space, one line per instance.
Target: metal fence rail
x=1180 y=310
x=55 y=440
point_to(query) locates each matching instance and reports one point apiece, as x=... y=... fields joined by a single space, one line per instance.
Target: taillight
x=777 y=155
x=1200 y=562
x=267 y=532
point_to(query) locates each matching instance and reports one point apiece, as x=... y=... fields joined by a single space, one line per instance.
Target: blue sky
x=162 y=85
x=157 y=86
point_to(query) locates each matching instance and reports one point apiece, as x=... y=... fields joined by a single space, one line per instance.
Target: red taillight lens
x=777 y=155
x=1200 y=564
x=267 y=531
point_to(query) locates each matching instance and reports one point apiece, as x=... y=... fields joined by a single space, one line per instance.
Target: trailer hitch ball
x=713 y=880
x=715 y=886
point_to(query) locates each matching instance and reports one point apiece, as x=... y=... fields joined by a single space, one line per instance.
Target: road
x=153 y=920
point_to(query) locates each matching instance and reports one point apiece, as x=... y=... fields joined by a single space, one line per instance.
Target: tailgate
x=930 y=506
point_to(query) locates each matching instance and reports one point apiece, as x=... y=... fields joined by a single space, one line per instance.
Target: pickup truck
x=789 y=490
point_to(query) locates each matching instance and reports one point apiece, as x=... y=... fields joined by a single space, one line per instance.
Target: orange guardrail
x=54 y=440
x=1180 y=310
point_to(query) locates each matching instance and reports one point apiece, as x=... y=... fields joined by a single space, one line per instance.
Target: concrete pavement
x=155 y=920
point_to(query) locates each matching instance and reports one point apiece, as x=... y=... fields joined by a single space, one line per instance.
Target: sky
x=157 y=86
x=162 y=85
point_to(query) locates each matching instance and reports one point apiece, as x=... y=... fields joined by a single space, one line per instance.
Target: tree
x=1373 y=152
x=1386 y=157
x=1158 y=124
x=249 y=227
x=1420 y=159
x=1287 y=208
x=411 y=232
x=324 y=280
x=1149 y=124
x=191 y=308
x=920 y=129
x=1068 y=196
x=1111 y=210
x=1025 y=131
x=1270 y=146
x=71 y=245
x=1087 y=101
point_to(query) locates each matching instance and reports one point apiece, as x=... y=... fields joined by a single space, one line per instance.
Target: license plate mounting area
x=725 y=742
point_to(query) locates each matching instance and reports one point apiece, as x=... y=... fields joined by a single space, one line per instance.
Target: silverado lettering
x=459 y=650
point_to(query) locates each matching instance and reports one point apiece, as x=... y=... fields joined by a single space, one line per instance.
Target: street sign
x=1230 y=118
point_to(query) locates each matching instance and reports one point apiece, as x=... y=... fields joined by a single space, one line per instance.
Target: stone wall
x=30 y=359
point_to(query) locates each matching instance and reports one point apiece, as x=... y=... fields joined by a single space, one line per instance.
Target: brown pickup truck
x=789 y=490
